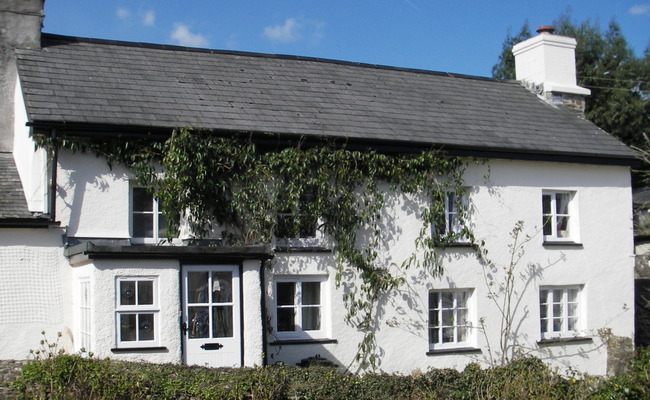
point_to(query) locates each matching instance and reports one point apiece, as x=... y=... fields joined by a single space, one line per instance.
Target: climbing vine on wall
x=228 y=187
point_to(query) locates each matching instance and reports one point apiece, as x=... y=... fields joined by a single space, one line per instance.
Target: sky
x=456 y=36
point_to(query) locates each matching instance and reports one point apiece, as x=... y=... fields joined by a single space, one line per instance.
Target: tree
x=605 y=63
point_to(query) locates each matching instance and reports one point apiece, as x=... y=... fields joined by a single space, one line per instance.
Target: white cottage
x=80 y=245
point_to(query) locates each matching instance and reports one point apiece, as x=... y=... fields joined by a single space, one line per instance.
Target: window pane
x=145 y=292
x=310 y=293
x=127 y=293
x=447 y=335
x=572 y=295
x=546 y=204
x=433 y=318
x=127 y=327
x=433 y=300
x=199 y=322
x=162 y=226
x=462 y=334
x=572 y=323
x=543 y=310
x=562 y=203
x=286 y=320
x=572 y=310
x=557 y=324
x=557 y=310
x=548 y=228
x=310 y=318
x=557 y=295
x=462 y=299
x=563 y=227
x=286 y=293
x=447 y=299
x=462 y=317
x=447 y=317
x=143 y=225
x=145 y=326
x=222 y=287
x=197 y=287
x=434 y=335
x=142 y=201
x=543 y=296
x=222 y=321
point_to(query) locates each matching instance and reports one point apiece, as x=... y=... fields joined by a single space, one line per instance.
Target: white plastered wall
x=103 y=275
x=30 y=162
x=93 y=199
x=36 y=281
x=251 y=313
x=602 y=265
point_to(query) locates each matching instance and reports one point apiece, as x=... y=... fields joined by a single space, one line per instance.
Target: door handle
x=184 y=328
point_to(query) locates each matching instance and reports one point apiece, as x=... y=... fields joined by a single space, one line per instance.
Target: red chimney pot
x=545 y=29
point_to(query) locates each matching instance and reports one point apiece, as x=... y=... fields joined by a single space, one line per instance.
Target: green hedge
x=65 y=376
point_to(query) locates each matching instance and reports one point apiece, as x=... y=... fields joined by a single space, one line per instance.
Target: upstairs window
x=147 y=222
x=450 y=225
x=559 y=309
x=300 y=223
x=137 y=312
x=300 y=308
x=558 y=216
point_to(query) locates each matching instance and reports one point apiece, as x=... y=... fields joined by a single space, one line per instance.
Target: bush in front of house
x=65 y=376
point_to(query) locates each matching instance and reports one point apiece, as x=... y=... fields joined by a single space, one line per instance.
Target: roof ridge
x=170 y=47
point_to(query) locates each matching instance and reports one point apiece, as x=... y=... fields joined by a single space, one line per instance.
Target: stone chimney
x=20 y=27
x=546 y=64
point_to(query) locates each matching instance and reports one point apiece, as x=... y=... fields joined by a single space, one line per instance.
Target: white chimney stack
x=546 y=63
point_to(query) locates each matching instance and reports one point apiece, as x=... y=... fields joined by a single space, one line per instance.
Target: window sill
x=303 y=341
x=565 y=340
x=302 y=249
x=138 y=349
x=560 y=243
x=457 y=350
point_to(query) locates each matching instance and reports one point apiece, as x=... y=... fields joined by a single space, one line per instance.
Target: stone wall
x=9 y=371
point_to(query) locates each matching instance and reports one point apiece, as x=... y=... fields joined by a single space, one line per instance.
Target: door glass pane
x=310 y=318
x=127 y=293
x=127 y=327
x=145 y=292
x=222 y=287
x=143 y=225
x=145 y=326
x=222 y=321
x=197 y=287
x=310 y=293
x=286 y=293
x=286 y=320
x=199 y=322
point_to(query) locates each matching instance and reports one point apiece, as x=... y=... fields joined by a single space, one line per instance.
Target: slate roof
x=89 y=82
x=12 y=198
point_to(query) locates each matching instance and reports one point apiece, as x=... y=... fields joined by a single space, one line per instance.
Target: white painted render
x=31 y=163
x=603 y=266
x=549 y=60
x=103 y=276
x=93 y=202
x=36 y=281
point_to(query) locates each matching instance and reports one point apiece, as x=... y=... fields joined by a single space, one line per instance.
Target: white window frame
x=298 y=333
x=156 y=215
x=571 y=214
x=85 y=321
x=469 y=323
x=547 y=318
x=452 y=220
x=137 y=309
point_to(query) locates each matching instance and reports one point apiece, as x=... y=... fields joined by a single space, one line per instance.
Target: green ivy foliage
x=227 y=186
